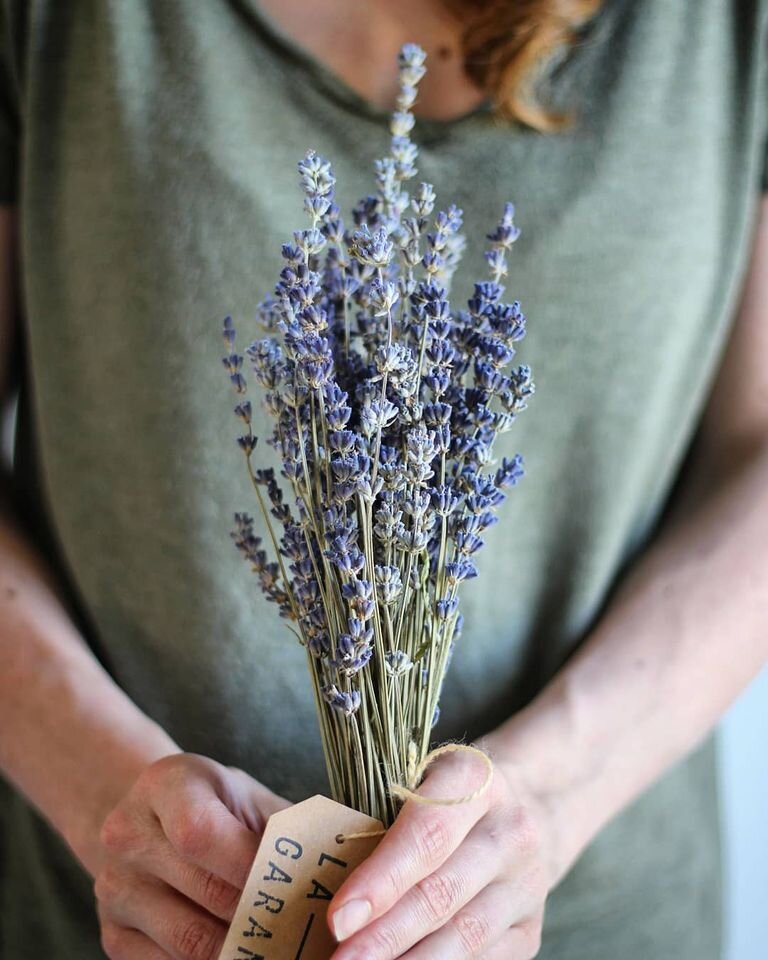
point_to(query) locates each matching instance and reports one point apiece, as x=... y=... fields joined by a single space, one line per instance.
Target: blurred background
x=744 y=784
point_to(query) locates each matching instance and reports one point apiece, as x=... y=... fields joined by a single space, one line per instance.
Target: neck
x=359 y=41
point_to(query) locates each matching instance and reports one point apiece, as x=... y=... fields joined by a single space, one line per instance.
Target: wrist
x=540 y=749
x=122 y=764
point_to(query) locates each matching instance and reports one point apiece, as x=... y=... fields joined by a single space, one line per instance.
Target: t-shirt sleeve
x=10 y=127
x=764 y=177
x=764 y=180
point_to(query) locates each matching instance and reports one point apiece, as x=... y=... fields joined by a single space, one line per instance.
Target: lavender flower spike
x=381 y=401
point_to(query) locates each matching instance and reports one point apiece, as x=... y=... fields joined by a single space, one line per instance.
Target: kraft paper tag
x=297 y=869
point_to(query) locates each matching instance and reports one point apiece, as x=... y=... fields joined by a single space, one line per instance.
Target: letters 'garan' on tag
x=297 y=869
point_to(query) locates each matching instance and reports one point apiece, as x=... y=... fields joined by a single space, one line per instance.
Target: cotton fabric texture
x=152 y=150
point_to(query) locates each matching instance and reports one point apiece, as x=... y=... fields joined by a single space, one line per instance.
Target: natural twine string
x=407 y=793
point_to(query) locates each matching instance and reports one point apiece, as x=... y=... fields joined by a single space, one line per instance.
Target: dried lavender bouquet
x=386 y=404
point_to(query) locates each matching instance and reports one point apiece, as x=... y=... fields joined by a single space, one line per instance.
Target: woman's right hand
x=176 y=852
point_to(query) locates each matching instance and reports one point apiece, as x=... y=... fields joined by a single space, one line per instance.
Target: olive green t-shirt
x=151 y=146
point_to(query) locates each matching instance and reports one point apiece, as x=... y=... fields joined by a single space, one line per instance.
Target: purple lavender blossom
x=385 y=403
x=346 y=703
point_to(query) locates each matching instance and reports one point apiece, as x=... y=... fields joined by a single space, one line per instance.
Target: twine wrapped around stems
x=414 y=778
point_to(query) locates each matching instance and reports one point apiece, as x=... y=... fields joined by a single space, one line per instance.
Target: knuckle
x=384 y=941
x=218 y=895
x=112 y=941
x=431 y=840
x=118 y=833
x=440 y=895
x=525 y=833
x=107 y=885
x=154 y=776
x=473 y=931
x=497 y=826
x=157 y=771
x=166 y=772
x=194 y=940
x=392 y=883
x=190 y=832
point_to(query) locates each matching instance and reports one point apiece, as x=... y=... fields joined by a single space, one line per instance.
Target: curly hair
x=505 y=42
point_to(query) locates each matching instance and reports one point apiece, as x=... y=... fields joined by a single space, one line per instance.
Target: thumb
x=251 y=801
x=212 y=815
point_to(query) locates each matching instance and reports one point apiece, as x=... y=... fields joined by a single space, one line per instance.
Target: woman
x=153 y=713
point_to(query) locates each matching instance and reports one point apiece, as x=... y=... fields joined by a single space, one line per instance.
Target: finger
x=430 y=903
x=473 y=930
x=202 y=829
x=521 y=942
x=422 y=837
x=251 y=801
x=201 y=886
x=121 y=943
x=171 y=921
x=135 y=838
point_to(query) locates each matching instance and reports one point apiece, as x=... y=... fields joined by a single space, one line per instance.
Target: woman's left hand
x=453 y=882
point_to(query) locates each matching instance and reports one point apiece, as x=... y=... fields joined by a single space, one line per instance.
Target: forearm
x=682 y=637
x=70 y=738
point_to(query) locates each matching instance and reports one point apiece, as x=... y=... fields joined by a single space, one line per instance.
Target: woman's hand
x=177 y=850
x=453 y=882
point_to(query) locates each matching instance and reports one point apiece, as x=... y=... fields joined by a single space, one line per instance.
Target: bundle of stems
x=384 y=406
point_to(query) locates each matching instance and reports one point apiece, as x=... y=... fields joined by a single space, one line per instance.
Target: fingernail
x=349 y=919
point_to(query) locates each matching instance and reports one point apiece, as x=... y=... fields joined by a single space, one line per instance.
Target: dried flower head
x=385 y=403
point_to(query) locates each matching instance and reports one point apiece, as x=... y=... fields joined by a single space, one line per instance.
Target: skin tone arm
x=683 y=635
x=54 y=696
x=168 y=836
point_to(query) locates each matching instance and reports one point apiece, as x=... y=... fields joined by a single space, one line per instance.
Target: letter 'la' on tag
x=298 y=868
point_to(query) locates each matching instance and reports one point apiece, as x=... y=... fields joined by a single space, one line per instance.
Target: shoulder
x=748 y=18
x=690 y=43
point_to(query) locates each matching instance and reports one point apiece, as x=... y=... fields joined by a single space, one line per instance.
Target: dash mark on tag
x=304 y=938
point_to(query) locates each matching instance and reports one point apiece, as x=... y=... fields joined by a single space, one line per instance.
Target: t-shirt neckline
x=337 y=89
